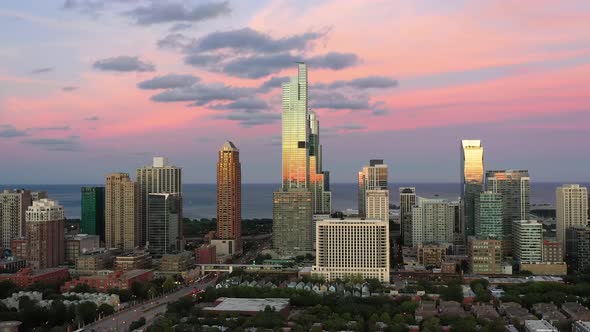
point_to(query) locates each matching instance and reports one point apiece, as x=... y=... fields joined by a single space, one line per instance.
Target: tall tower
x=163 y=223
x=122 y=202
x=433 y=221
x=45 y=234
x=372 y=177
x=13 y=207
x=229 y=196
x=571 y=209
x=318 y=179
x=378 y=204
x=92 y=221
x=159 y=178
x=488 y=215
x=471 y=180
x=407 y=200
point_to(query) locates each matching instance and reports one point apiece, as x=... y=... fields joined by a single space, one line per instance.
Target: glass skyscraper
x=472 y=172
x=488 y=216
x=164 y=220
x=92 y=216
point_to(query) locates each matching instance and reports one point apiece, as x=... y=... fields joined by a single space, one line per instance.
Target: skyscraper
x=304 y=183
x=433 y=221
x=229 y=197
x=159 y=178
x=163 y=224
x=571 y=209
x=407 y=200
x=515 y=187
x=92 y=220
x=372 y=177
x=471 y=179
x=122 y=203
x=13 y=207
x=377 y=204
x=488 y=215
x=527 y=241
x=45 y=234
x=578 y=248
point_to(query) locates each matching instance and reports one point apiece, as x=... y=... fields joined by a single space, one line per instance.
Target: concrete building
x=581 y=326
x=576 y=311
x=515 y=188
x=45 y=234
x=407 y=200
x=122 y=207
x=19 y=247
x=539 y=326
x=249 y=307
x=352 y=247
x=158 y=178
x=431 y=255
x=545 y=269
x=92 y=219
x=472 y=166
x=292 y=220
x=27 y=277
x=75 y=245
x=578 y=248
x=488 y=215
x=372 y=177
x=527 y=241
x=377 y=201
x=133 y=260
x=113 y=279
x=433 y=221
x=206 y=254
x=38 y=195
x=229 y=197
x=179 y=262
x=485 y=256
x=553 y=252
x=571 y=209
x=13 y=207
x=94 y=261
x=164 y=219
x=12 y=264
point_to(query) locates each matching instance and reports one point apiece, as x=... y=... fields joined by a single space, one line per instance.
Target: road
x=121 y=320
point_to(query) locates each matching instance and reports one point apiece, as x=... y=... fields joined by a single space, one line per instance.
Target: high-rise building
x=571 y=209
x=45 y=234
x=471 y=180
x=13 y=207
x=527 y=241
x=515 y=188
x=159 y=178
x=92 y=221
x=229 y=196
x=577 y=248
x=372 y=177
x=488 y=215
x=377 y=204
x=122 y=204
x=38 y=195
x=433 y=221
x=304 y=183
x=407 y=200
x=485 y=255
x=163 y=224
x=553 y=251
x=352 y=247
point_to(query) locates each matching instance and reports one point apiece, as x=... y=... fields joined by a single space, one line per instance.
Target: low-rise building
x=548 y=312
x=19 y=247
x=485 y=311
x=539 y=326
x=427 y=309
x=78 y=244
x=206 y=254
x=576 y=311
x=177 y=262
x=12 y=264
x=468 y=294
x=27 y=277
x=248 y=306
x=94 y=261
x=543 y=268
x=133 y=260
x=514 y=311
x=452 y=308
x=552 y=251
x=111 y=279
x=431 y=255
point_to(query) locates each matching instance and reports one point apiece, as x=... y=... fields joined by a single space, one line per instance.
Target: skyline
x=92 y=106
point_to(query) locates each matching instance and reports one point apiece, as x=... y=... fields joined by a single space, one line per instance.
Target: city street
x=149 y=310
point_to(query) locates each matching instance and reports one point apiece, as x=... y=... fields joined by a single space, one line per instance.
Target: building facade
x=527 y=241
x=122 y=208
x=13 y=207
x=372 y=177
x=159 y=178
x=407 y=200
x=229 y=196
x=488 y=215
x=431 y=255
x=571 y=209
x=163 y=222
x=45 y=234
x=472 y=168
x=377 y=204
x=577 y=244
x=352 y=247
x=485 y=256
x=93 y=208
x=75 y=245
x=553 y=251
x=292 y=220
x=132 y=260
x=433 y=221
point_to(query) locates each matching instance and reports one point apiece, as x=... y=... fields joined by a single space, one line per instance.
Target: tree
x=86 y=312
x=152 y=292
x=137 y=324
x=464 y=324
x=105 y=310
x=431 y=325
x=168 y=285
x=495 y=326
x=453 y=292
x=7 y=287
x=83 y=288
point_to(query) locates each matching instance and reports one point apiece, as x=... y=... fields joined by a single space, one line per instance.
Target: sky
x=89 y=87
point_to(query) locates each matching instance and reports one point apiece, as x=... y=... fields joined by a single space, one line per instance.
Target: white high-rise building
x=352 y=247
x=377 y=204
x=571 y=209
x=527 y=237
x=372 y=177
x=13 y=205
x=433 y=221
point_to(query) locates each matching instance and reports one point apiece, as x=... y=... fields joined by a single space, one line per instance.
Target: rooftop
x=248 y=305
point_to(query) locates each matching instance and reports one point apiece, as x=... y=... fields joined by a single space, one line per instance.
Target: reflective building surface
x=229 y=195
x=472 y=173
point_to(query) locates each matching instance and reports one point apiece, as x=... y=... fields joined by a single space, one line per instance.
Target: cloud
x=174 y=41
x=338 y=101
x=203 y=93
x=380 y=109
x=250 y=40
x=249 y=105
x=159 y=12
x=124 y=63
x=55 y=128
x=272 y=83
x=180 y=26
x=69 y=88
x=200 y=60
x=334 y=60
x=92 y=118
x=168 y=81
x=369 y=82
x=251 y=119
x=351 y=126
x=8 y=131
x=70 y=143
x=42 y=70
